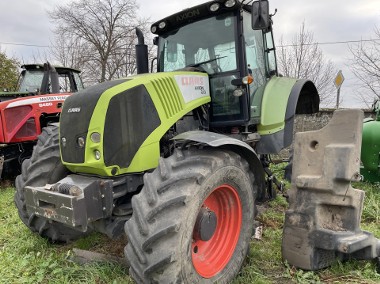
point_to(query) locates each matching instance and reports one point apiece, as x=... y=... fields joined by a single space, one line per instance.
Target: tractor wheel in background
x=193 y=219
x=43 y=167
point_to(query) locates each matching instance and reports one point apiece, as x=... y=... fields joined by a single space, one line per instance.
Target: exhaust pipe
x=50 y=80
x=141 y=53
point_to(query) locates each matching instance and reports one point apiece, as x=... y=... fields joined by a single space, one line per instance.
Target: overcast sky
x=26 y=22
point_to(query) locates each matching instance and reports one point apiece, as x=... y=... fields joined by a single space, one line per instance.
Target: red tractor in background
x=41 y=91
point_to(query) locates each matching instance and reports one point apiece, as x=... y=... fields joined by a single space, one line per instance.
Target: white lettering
x=74 y=109
x=193 y=87
x=45 y=104
x=35 y=100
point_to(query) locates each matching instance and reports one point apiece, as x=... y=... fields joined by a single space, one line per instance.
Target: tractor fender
x=303 y=99
x=284 y=97
x=223 y=141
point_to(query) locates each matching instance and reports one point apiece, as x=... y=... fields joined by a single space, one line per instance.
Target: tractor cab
x=45 y=79
x=218 y=38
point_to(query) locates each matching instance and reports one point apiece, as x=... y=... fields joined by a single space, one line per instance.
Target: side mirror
x=155 y=40
x=260 y=15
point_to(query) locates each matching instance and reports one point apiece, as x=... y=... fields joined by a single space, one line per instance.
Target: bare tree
x=304 y=59
x=365 y=64
x=97 y=36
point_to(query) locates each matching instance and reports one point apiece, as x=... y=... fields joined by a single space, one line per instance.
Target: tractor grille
x=131 y=117
x=75 y=119
x=168 y=95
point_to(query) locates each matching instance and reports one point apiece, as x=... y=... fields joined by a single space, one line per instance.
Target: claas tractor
x=37 y=101
x=174 y=159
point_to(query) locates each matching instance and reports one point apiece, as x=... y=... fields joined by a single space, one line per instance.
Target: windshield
x=66 y=83
x=209 y=44
x=31 y=81
x=78 y=82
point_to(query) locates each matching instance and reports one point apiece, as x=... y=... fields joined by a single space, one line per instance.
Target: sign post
x=338 y=81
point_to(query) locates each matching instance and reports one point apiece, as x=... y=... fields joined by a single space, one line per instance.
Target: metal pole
x=337 y=98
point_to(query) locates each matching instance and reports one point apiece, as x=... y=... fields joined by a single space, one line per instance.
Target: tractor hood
x=6 y=96
x=115 y=127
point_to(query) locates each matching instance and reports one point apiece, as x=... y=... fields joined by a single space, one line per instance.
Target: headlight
x=95 y=137
x=238 y=92
x=97 y=154
x=80 y=142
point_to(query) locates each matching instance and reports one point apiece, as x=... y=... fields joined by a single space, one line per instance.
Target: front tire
x=43 y=167
x=193 y=220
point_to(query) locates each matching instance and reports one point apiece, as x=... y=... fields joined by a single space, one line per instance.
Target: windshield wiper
x=204 y=62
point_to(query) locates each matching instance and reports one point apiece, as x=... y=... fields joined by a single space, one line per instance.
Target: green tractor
x=370 y=154
x=176 y=159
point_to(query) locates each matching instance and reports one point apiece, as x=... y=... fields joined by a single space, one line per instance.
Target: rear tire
x=164 y=245
x=43 y=167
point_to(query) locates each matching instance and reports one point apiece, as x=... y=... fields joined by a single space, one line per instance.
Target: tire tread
x=158 y=211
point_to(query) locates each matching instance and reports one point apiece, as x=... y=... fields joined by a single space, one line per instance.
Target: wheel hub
x=205 y=225
x=217 y=230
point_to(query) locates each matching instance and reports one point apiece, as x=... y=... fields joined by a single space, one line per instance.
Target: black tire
x=43 y=167
x=162 y=247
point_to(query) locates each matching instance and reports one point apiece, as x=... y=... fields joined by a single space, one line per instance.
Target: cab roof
x=191 y=15
x=38 y=66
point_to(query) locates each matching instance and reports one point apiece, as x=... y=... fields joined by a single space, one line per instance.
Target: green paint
x=370 y=151
x=170 y=106
x=13 y=94
x=274 y=101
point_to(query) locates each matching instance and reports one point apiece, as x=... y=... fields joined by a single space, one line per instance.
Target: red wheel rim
x=210 y=257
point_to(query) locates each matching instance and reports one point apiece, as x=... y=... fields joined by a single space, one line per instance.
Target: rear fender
x=303 y=99
x=222 y=141
x=282 y=99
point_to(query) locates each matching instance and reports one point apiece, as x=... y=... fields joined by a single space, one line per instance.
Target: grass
x=27 y=258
